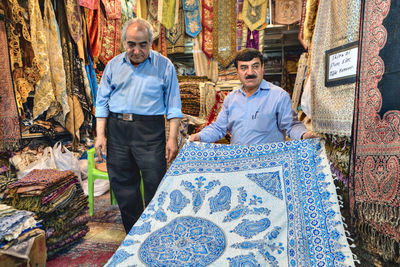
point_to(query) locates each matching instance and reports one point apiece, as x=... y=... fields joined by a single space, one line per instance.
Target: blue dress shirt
x=264 y=117
x=151 y=88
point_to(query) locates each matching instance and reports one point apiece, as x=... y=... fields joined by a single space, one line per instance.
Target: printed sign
x=341 y=65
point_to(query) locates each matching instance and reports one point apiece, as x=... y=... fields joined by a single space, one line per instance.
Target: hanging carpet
x=237 y=205
x=254 y=13
x=375 y=169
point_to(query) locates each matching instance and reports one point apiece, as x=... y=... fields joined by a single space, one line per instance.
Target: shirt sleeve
x=217 y=129
x=103 y=93
x=287 y=119
x=172 y=97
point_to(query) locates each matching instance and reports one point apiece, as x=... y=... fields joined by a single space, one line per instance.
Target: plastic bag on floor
x=46 y=161
x=66 y=160
x=100 y=187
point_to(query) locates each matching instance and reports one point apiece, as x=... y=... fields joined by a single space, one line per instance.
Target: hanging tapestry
x=166 y=13
x=375 y=163
x=192 y=17
x=237 y=205
x=10 y=133
x=337 y=24
x=287 y=11
x=92 y=4
x=44 y=90
x=93 y=28
x=254 y=13
x=26 y=70
x=176 y=36
x=298 y=85
x=59 y=109
x=152 y=18
x=252 y=40
x=207 y=25
x=224 y=29
x=110 y=31
x=73 y=13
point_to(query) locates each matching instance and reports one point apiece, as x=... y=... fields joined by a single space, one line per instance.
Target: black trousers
x=134 y=146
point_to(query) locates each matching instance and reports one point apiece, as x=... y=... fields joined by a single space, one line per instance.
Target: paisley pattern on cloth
x=221 y=205
x=375 y=154
x=10 y=132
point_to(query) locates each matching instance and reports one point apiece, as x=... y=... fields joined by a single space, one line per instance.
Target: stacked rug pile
x=58 y=200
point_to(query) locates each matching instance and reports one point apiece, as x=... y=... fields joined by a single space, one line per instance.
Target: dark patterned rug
x=105 y=235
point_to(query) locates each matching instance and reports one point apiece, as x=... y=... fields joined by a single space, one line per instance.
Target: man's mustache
x=251 y=77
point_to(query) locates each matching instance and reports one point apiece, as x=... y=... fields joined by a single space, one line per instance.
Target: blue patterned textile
x=192 y=17
x=237 y=205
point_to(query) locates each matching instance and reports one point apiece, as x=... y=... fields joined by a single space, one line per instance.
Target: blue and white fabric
x=236 y=205
x=192 y=17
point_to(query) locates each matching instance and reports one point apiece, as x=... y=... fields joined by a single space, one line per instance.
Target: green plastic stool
x=94 y=174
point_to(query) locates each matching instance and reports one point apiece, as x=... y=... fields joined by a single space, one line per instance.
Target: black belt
x=135 y=117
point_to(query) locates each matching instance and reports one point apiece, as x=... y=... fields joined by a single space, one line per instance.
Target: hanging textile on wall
x=10 y=133
x=176 y=36
x=152 y=18
x=73 y=13
x=93 y=28
x=25 y=66
x=287 y=11
x=254 y=13
x=225 y=205
x=192 y=17
x=331 y=107
x=224 y=29
x=204 y=66
x=298 y=85
x=57 y=72
x=166 y=13
x=252 y=39
x=110 y=31
x=207 y=25
x=80 y=112
x=92 y=4
x=307 y=21
x=375 y=162
x=44 y=91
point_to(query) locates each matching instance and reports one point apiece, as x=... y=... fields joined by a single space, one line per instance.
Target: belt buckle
x=127 y=117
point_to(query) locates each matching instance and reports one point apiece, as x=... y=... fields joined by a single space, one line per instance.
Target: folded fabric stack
x=17 y=231
x=58 y=200
x=4 y=182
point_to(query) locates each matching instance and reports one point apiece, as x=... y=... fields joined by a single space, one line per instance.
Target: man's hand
x=195 y=137
x=310 y=134
x=171 y=149
x=100 y=144
x=100 y=147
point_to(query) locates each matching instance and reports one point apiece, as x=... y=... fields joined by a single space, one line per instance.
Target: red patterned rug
x=104 y=237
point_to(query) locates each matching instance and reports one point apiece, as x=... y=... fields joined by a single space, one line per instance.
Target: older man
x=137 y=89
x=258 y=112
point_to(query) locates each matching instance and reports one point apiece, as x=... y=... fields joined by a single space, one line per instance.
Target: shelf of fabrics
x=57 y=199
x=22 y=242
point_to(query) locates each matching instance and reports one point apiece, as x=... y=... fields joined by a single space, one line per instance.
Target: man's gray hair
x=140 y=22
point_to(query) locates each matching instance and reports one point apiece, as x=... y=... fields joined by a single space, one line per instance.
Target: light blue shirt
x=264 y=117
x=151 y=88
